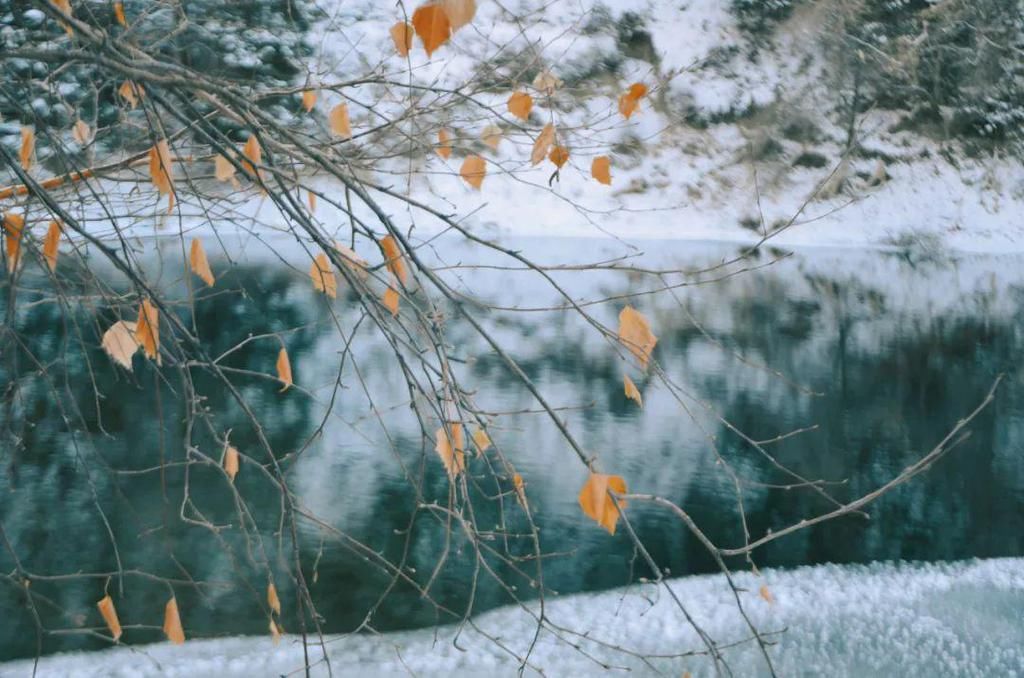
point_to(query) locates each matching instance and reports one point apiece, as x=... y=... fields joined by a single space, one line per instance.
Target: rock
x=33 y=18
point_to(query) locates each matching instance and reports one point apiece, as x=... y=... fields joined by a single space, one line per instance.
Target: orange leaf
x=766 y=594
x=14 y=226
x=637 y=90
x=275 y=631
x=323 y=276
x=544 y=141
x=284 y=369
x=635 y=334
x=311 y=199
x=309 y=99
x=28 y=147
x=473 y=171
x=339 y=122
x=172 y=622
x=51 y=244
x=131 y=92
x=628 y=105
x=147 y=330
x=119 y=14
x=597 y=504
x=223 y=170
x=65 y=6
x=517 y=482
x=401 y=35
x=254 y=153
x=601 y=169
x=120 y=342
x=444 y=144
x=491 y=136
x=519 y=105
x=393 y=257
x=460 y=12
x=391 y=300
x=161 y=170
x=230 y=462
x=632 y=391
x=451 y=449
x=432 y=25
x=559 y=156
x=81 y=133
x=481 y=440
x=197 y=260
x=106 y=608
x=272 y=600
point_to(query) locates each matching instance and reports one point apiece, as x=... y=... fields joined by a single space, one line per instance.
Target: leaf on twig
x=601 y=169
x=632 y=392
x=520 y=104
x=109 y=614
x=473 y=171
x=597 y=504
x=629 y=101
x=27 y=151
x=230 y=461
x=284 y=369
x=322 y=274
x=120 y=343
x=119 y=14
x=450 y=450
x=546 y=82
x=254 y=154
x=559 y=155
x=339 y=122
x=401 y=35
x=14 y=227
x=131 y=92
x=635 y=334
x=491 y=135
x=51 y=245
x=520 y=487
x=147 y=330
x=272 y=600
x=391 y=300
x=444 y=144
x=481 y=440
x=544 y=141
x=766 y=594
x=161 y=170
x=172 y=622
x=80 y=132
x=432 y=25
x=308 y=99
x=223 y=169
x=200 y=265
x=393 y=258
x=459 y=12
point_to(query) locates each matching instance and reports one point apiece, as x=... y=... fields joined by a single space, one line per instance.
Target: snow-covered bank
x=957 y=619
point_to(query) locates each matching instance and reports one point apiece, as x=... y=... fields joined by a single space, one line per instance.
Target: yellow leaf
x=275 y=631
x=628 y=105
x=309 y=99
x=80 y=132
x=481 y=440
x=131 y=92
x=491 y=136
x=106 y=608
x=544 y=141
x=254 y=154
x=119 y=14
x=635 y=334
x=393 y=257
x=460 y=12
x=519 y=105
x=432 y=25
x=272 y=600
x=559 y=156
x=322 y=274
x=28 y=147
x=473 y=171
x=766 y=594
x=120 y=343
x=284 y=369
x=517 y=482
x=601 y=169
x=223 y=170
x=161 y=170
x=597 y=504
x=401 y=35
x=51 y=244
x=391 y=300
x=200 y=266
x=147 y=330
x=632 y=391
x=444 y=144
x=339 y=122
x=230 y=462
x=172 y=622
x=451 y=449
x=311 y=199
x=14 y=226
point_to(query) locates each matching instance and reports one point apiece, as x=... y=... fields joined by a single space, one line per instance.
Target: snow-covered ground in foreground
x=957 y=619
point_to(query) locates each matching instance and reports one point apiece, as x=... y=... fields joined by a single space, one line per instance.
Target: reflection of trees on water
x=885 y=403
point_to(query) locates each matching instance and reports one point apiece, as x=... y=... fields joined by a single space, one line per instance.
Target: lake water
x=877 y=353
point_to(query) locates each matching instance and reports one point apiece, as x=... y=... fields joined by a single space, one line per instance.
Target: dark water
x=896 y=359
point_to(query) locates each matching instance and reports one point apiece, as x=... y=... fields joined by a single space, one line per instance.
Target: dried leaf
x=635 y=334
x=51 y=245
x=223 y=170
x=401 y=35
x=544 y=141
x=491 y=136
x=597 y=504
x=481 y=440
x=322 y=274
x=444 y=144
x=546 y=82
x=393 y=257
x=391 y=300
x=131 y=92
x=14 y=227
x=81 y=133
x=275 y=631
x=766 y=594
x=520 y=104
x=358 y=264
x=254 y=154
x=230 y=462
x=632 y=392
x=559 y=155
x=637 y=90
x=28 y=147
x=339 y=122
x=460 y=12
x=65 y=6
x=628 y=105
x=172 y=622
x=473 y=171
x=601 y=169
x=432 y=25
x=161 y=170
x=451 y=449
x=272 y=600
x=147 y=330
x=119 y=14
x=284 y=369
x=308 y=99
x=120 y=343
x=520 y=486
x=197 y=260
x=311 y=199
x=109 y=613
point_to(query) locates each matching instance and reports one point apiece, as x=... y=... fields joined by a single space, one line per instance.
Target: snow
x=887 y=619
